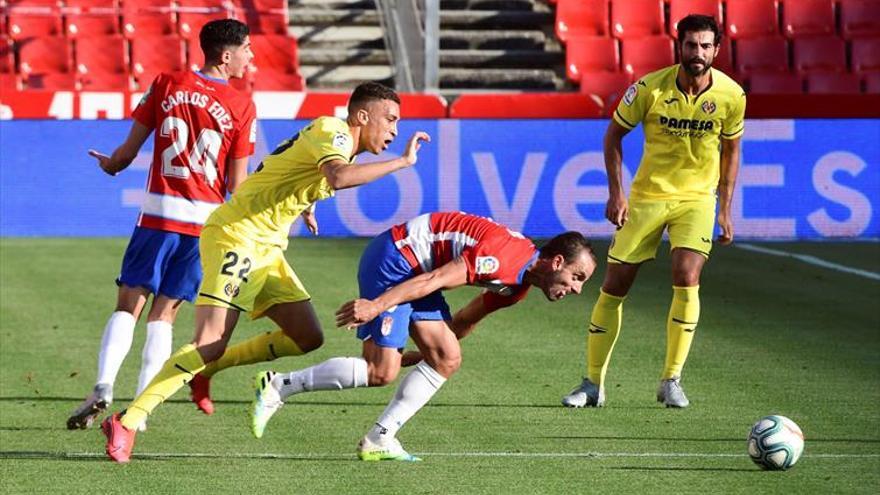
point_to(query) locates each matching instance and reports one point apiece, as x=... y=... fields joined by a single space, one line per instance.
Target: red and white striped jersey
x=199 y=122
x=496 y=257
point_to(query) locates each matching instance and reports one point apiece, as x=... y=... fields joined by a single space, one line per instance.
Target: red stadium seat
x=148 y=18
x=579 y=18
x=606 y=87
x=724 y=59
x=808 y=18
x=872 y=82
x=643 y=55
x=91 y=18
x=9 y=82
x=636 y=18
x=860 y=18
x=263 y=5
x=275 y=80
x=264 y=22
x=44 y=55
x=833 y=84
x=51 y=81
x=7 y=56
x=591 y=54
x=782 y=83
x=751 y=18
x=678 y=9
x=866 y=55
x=274 y=52
x=826 y=54
x=762 y=55
x=150 y=56
x=107 y=54
x=104 y=81
x=190 y=23
x=26 y=22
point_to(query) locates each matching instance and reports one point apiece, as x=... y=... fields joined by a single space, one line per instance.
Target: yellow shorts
x=690 y=224
x=247 y=276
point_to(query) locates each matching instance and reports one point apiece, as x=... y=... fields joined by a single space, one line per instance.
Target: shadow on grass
x=672 y=439
x=678 y=468
x=101 y=457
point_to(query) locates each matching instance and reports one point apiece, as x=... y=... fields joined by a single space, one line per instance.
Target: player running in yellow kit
x=242 y=250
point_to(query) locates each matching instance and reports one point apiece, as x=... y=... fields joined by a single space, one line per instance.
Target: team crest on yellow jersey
x=708 y=107
x=231 y=290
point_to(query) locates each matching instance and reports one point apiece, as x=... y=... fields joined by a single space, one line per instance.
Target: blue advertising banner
x=804 y=179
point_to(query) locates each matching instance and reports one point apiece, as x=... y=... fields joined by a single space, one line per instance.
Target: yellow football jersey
x=287 y=182
x=682 y=154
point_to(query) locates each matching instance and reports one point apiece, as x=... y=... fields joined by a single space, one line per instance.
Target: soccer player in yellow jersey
x=242 y=250
x=692 y=116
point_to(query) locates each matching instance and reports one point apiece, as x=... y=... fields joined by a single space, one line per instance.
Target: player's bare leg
x=684 y=314
x=300 y=332
x=442 y=358
x=115 y=344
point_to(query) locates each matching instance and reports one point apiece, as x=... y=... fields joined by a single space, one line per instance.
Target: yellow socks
x=604 y=327
x=680 y=325
x=264 y=347
x=175 y=373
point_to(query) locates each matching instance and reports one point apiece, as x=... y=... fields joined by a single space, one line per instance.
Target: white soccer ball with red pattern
x=775 y=443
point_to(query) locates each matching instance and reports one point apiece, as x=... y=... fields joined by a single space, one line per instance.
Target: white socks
x=157 y=350
x=115 y=345
x=332 y=374
x=415 y=390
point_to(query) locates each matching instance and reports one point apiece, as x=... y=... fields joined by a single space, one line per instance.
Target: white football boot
x=587 y=394
x=671 y=394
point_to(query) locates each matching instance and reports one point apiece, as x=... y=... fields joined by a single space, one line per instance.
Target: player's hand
x=355 y=313
x=726 y=224
x=103 y=162
x=311 y=221
x=410 y=154
x=617 y=210
x=410 y=358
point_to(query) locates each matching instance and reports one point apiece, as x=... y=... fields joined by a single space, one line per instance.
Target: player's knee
x=212 y=351
x=311 y=341
x=381 y=377
x=448 y=364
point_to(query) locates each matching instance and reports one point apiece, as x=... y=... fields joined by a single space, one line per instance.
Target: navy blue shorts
x=381 y=268
x=162 y=262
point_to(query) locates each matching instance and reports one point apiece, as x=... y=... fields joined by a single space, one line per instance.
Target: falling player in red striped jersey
x=402 y=273
x=205 y=132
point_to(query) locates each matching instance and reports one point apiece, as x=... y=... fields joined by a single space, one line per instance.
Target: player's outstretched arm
x=359 y=311
x=729 y=170
x=126 y=152
x=616 y=210
x=342 y=175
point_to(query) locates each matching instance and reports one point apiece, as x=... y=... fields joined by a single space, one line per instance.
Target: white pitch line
x=812 y=260
x=537 y=455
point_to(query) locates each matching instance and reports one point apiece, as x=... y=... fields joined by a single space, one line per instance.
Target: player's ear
x=226 y=56
x=558 y=262
x=363 y=116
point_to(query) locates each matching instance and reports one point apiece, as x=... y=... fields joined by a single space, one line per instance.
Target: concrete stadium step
x=311 y=56
x=329 y=34
x=500 y=58
x=331 y=4
x=345 y=77
x=342 y=44
x=499 y=79
x=493 y=5
x=354 y=17
x=493 y=19
x=492 y=39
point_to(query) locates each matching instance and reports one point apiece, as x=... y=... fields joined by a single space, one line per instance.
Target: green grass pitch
x=776 y=335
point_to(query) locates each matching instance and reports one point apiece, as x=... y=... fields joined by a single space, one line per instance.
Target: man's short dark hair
x=695 y=23
x=370 y=91
x=569 y=245
x=219 y=34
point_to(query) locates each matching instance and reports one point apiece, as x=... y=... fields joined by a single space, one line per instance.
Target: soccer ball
x=775 y=443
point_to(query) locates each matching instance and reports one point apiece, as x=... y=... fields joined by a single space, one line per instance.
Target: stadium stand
x=643 y=55
x=590 y=54
x=752 y=18
x=84 y=18
x=859 y=18
x=276 y=62
x=762 y=55
x=680 y=8
x=866 y=55
x=775 y=83
x=826 y=54
x=28 y=21
x=637 y=18
x=148 y=18
x=151 y=55
x=574 y=18
x=825 y=83
x=7 y=57
x=808 y=18
x=102 y=63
